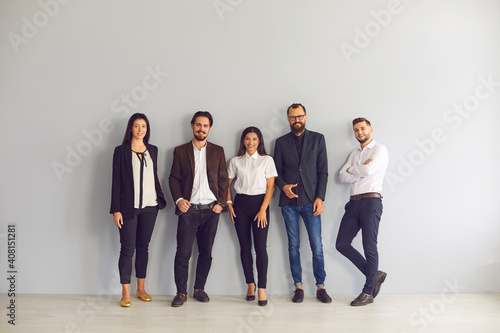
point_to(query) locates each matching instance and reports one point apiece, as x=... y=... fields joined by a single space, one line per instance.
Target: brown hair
x=359 y=120
x=205 y=114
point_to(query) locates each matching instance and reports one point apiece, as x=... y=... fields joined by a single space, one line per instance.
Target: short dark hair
x=261 y=149
x=127 y=138
x=205 y=114
x=359 y=120
x=294 y=106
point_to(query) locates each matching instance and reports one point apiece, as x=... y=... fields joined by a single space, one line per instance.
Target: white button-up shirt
x=201 y=195
x=366 y=178
x=251 y=173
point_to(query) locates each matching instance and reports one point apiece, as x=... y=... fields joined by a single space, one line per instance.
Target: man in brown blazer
x=198 y=183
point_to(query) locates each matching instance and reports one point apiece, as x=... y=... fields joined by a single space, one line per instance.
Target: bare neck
x=199 y=144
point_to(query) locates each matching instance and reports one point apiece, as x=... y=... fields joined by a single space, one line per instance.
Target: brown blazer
x=182 y=173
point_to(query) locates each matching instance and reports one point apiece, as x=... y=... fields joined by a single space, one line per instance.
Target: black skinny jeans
x=245 y=209
x=135 y=235
x=202 y=225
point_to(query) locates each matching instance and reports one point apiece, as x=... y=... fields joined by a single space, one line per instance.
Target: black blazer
x=313 y=167
x=122 y=189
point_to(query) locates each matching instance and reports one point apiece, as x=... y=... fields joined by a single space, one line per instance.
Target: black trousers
x=245 y=209
x=361 y=215
x=135 y=235
x=201 y=224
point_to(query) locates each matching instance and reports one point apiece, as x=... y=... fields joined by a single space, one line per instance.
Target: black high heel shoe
x=251 y=297
x=262 y=302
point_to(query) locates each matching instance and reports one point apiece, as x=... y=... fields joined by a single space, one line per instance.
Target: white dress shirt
x=201 y=195
x=251 y=173
x=148 y=181
x=366 y=178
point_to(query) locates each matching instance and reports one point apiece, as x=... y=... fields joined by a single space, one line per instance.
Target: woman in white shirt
x=136 y=196
x=253 y=173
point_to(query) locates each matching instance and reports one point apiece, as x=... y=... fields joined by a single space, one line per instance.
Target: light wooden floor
x=478 y=313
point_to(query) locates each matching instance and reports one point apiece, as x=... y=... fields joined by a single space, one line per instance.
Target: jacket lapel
x=127 y=155
x=209 y=161
x=190 y=154
x=308 y=146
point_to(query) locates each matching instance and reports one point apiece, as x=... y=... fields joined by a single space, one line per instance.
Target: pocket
x=376 y=207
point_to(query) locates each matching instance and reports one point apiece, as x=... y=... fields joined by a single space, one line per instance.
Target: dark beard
x=297 y=131
x=199 y=138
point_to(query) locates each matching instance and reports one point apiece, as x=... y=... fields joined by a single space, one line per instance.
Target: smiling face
x=363 y=133
x=251 y=143
x=297 y=118
x=139 y=129
x=201 y=127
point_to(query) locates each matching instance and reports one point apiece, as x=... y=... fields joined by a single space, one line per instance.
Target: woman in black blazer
x=136 y=196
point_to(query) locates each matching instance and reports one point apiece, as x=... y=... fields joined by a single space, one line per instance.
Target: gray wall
x=72 y=72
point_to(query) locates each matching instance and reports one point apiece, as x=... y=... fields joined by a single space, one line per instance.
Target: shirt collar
x=254 y=156
x=368 y=146
x=194 y=147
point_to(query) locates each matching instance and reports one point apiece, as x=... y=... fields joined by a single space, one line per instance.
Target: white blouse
x=251 y=173
x=148 y=181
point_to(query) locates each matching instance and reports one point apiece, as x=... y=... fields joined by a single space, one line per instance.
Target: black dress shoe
x=362 y=299
x=323 y=296
x=201 y=296
x=250 y=298
x=380 y=279
x=263 y=303
x=179 y=300
x=299 y=296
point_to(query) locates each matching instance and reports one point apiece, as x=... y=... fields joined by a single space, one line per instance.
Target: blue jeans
x=361 y=214
x=313 y=226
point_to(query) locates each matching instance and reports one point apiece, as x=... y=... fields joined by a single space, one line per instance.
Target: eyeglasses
x=292 y=118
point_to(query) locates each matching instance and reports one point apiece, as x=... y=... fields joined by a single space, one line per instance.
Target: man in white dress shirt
x=365 y=170
x=198 y=183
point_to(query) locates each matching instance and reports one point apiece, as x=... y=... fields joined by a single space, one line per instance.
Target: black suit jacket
x=313 y=166
x=182 y=174
x=122 y=189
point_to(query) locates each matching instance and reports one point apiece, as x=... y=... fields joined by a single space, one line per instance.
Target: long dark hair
x=261 y=149
x=127 y=138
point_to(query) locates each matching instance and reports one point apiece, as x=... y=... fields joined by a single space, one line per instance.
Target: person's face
x=297 y=119
x=363 y=132
x=201 y=127
x=139 y=129
x=251 y=142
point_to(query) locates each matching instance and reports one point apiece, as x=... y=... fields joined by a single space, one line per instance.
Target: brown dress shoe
x=179 y=300
x=201 y=296
x=362 y=299
x=380 y=279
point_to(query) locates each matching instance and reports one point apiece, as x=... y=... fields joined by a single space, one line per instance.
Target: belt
x=366 y=195
x=203 y=207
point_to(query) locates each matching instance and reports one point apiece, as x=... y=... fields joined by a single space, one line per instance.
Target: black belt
x=366 y=195
x=203 y=207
